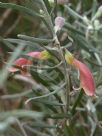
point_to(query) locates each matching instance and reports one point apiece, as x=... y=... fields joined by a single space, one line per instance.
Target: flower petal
x=13 y=69
x=40 y=55
x=20 y=62
x=86 y=78
x=35 y=54
x=69 y=57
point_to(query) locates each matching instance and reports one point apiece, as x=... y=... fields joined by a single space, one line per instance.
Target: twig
x=67 y=80
x=46 y=95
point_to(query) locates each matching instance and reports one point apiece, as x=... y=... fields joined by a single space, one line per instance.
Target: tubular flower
x=40 y=55
x=86 y=78
x=21 y=62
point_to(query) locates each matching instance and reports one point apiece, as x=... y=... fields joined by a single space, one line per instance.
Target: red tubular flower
x=21 y=62
x=86 y=77
x=40 y=55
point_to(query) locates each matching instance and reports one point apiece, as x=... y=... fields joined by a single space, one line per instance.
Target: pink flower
x=40 y=55
x=21 y=62
x=86 y=77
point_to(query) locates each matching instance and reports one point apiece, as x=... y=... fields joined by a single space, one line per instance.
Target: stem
x=43 y=96
x=67 y=80
x=77 y=102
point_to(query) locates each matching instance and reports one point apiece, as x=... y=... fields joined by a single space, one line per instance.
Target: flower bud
x=59 y=23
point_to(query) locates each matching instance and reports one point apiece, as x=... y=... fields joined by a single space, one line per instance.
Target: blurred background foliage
x=28 y=25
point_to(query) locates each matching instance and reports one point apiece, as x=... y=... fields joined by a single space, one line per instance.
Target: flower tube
x=86 y=77
x=21 y=62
